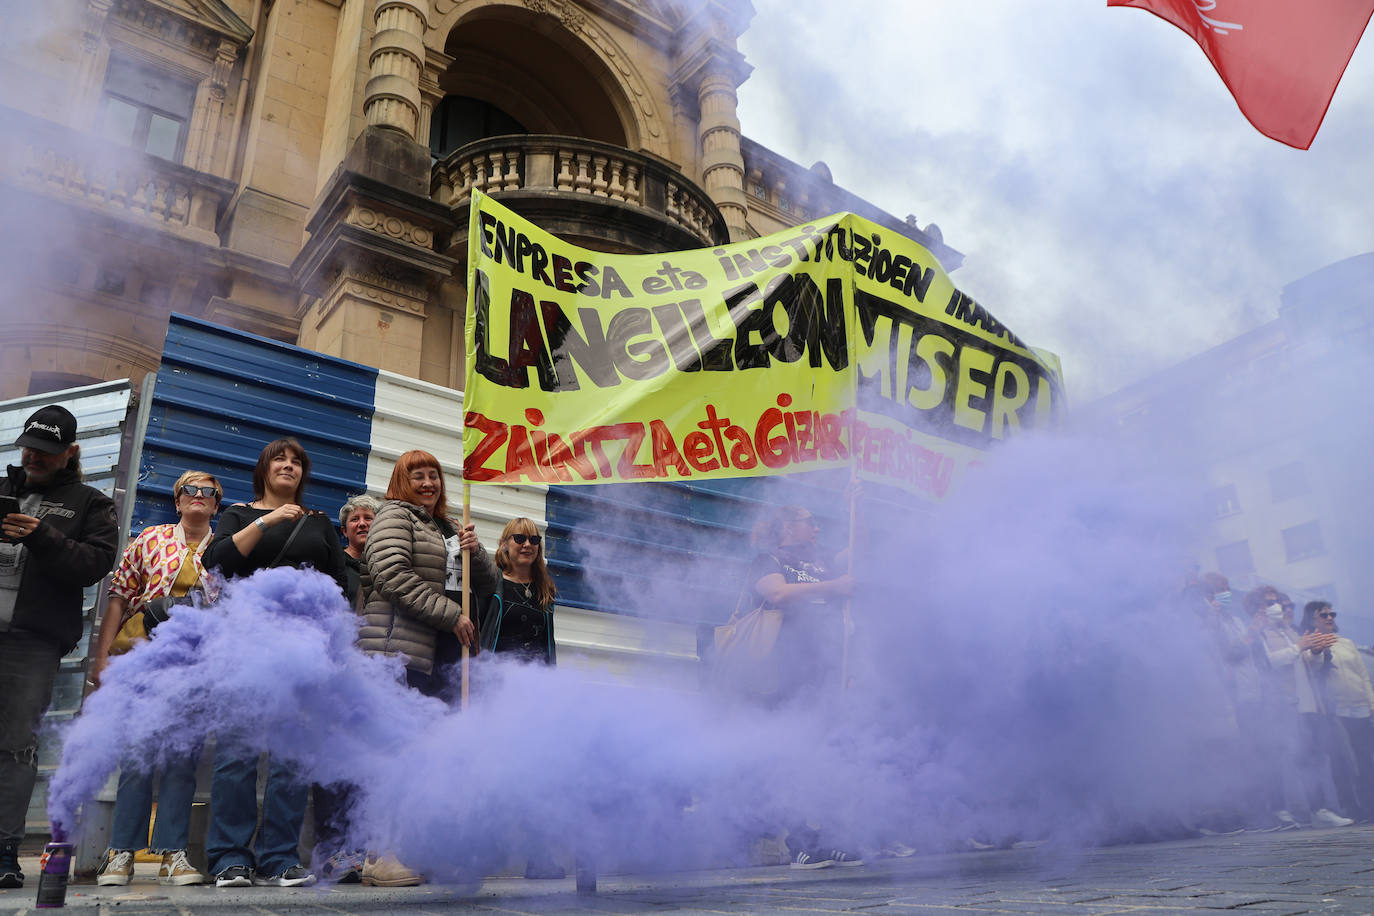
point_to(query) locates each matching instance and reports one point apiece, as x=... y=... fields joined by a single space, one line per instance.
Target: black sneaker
x=235 y=876
x=343 y=868
x=812 y=858
x=10 y=873
x=295 y=876
x=845 y=859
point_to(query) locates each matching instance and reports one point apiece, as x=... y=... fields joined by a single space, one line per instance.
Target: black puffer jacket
x=73 y=547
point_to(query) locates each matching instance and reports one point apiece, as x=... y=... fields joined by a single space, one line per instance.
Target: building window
x=1303 y=541
x=1234 y=559
x=760 y=191
x=1289 y=481
x=146 y=108
x=785 y=205
x=1224 y=500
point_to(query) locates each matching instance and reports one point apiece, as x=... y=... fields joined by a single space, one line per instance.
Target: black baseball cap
x=50 y=429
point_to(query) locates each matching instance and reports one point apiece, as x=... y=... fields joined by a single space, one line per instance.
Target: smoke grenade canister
x=53 y=871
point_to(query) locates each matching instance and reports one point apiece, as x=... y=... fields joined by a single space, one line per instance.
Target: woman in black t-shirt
x=250 y=537
x=518 y=619
x=790 y=575
x=517 y=623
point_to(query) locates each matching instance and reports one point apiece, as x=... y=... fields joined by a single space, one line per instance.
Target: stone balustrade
x=574 y=166
x=52 y=159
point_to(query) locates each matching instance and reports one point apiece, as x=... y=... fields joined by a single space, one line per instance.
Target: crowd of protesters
x=1293 y=697
x=399 y=566
x=1293 y=709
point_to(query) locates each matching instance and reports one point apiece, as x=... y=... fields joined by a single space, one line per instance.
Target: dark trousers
x=1360 y=733
x=234 y=816
x=28 y=668
x=1324 y=749
x=332 y=805
x=134 y=806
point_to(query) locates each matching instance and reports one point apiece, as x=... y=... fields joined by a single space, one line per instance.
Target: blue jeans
x=234 y=816
x=134 y=804
x=28 y=668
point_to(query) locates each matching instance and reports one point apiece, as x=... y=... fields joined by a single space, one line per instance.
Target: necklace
x=525 y=585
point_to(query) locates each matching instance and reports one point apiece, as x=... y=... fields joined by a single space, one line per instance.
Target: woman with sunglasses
x=412 y=598
x=1349 y=701
x=518 y=619
x=164 y=561
x=1295 y=706
x=517 y=624
x=275 y=529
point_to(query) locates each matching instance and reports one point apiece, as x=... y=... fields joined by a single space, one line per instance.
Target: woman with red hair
x=412 y=557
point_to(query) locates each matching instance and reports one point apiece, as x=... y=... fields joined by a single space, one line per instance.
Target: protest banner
x=835 y=343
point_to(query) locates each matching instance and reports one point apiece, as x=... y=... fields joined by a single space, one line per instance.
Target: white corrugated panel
x=410 y=414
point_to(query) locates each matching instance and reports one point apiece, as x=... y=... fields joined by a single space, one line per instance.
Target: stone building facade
x=302 y=169
x=1276 y=424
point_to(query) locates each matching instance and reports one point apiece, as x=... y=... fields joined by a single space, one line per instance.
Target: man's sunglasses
x=1327 y=615
x=522 y=538
x=190 y=489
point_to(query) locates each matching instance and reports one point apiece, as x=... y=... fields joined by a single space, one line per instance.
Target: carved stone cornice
x=708 y=58
x=369 y=234
x=199 y=25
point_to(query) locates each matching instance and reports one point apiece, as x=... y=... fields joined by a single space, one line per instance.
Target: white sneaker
x=1324 y=817
x=117 y=868
x=1286 y=818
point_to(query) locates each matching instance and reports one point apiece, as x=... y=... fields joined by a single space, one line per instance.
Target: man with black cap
x=57 y=536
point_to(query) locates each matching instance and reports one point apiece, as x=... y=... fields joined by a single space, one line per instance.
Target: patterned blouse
x=150 y=565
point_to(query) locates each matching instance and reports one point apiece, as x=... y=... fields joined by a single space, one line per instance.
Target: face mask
x=1275 y=611
x=1223 y=599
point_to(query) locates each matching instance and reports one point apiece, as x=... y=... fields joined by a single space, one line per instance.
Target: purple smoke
x=1019 y=672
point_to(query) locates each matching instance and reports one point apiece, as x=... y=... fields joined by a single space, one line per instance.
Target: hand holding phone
x=8 y=505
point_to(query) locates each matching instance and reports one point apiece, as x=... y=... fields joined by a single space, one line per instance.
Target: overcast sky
x=1110 y=199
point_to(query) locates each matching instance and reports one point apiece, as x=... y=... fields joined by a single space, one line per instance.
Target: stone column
x=90 y=70
x=397 y=59
x=209 y=109
x=722 y=164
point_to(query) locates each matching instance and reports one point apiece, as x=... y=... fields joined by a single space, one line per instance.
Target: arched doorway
x=512 y=68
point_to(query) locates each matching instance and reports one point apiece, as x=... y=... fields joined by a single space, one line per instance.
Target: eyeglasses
x=1328 y=615
x=522 y=538
x=190 y=489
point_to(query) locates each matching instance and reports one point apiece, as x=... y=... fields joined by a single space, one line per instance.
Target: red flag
x=1281 y=59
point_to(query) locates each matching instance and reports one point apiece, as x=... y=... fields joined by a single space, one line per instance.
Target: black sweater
x=317 y=545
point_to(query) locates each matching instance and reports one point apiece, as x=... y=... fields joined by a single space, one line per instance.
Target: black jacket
x=74 y=546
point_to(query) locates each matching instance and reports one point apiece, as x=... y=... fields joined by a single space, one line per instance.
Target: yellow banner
x=832 y=344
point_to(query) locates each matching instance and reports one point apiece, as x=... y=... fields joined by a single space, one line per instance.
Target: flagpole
x=467 y=596
x=846 y=617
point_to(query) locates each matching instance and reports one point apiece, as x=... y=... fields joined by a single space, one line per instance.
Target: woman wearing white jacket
x=1349 y=700
x=1293 y=660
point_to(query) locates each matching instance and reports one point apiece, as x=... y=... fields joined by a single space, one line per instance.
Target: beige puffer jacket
x=403 y=573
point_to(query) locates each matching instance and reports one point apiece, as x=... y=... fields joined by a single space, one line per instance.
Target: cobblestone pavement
x=1308 y=871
